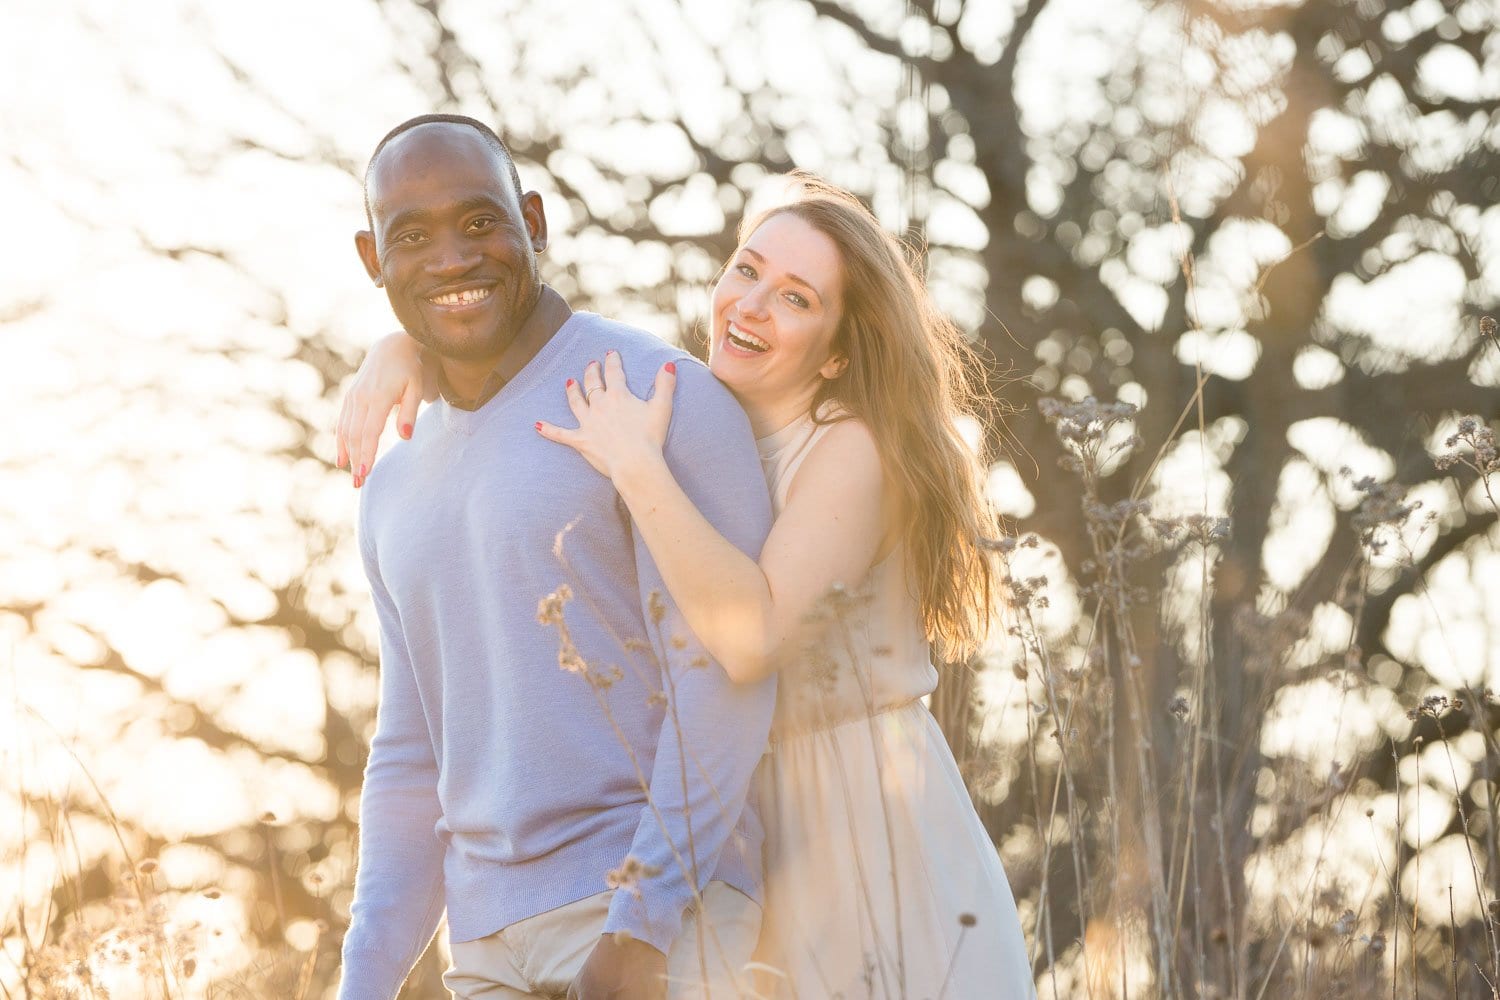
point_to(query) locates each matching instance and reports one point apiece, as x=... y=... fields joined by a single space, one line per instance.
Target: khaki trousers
x=541 y=955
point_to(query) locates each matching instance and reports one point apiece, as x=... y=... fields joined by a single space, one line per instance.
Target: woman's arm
x=392 y=374
x=747 y=614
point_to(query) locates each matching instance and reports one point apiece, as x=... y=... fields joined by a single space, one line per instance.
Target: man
x=505 y=778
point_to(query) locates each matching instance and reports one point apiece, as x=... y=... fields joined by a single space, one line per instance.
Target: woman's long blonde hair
x=909 y=376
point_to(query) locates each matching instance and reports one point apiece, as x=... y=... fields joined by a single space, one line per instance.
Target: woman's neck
x=767 y=416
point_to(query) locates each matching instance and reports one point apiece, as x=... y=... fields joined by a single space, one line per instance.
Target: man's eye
x=481 y=224
x=410 y=236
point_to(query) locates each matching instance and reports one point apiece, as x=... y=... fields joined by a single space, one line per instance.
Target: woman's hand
x=390 y=375
x=616 y=432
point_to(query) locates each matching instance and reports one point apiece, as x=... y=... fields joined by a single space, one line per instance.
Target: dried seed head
x=630 y=875
x=148 y=866
x=1377 y=944
x=1344 y=925
x=967 y=920
x=1487 y=326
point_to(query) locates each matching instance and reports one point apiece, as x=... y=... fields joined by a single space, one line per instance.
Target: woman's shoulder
x=842 y=454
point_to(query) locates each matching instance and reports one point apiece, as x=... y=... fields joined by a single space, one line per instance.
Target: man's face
x=454 y=243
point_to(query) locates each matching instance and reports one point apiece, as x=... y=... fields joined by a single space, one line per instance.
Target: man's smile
x=461 y=298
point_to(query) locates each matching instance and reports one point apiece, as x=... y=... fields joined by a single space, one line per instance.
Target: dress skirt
x=881 y=881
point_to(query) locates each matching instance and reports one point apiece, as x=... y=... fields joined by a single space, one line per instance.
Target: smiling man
x=500 y=787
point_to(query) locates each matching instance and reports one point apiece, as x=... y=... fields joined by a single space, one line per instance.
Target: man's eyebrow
x=799 y=280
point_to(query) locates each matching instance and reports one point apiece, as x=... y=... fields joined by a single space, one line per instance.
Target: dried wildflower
x=1344 y=925
x=967 y=920
x=1433 y=706
x=212 y=893
x=699 y=662
x=657 y=699
x=549 y=611
x=678 y=642
x=268 y=817
x=569 y=659
x=630 y=874
x=656 y=607
x=147 y=866
x=1382 y=507
x=604 y=679
x=1084 y=430
x=1179 y=708
x=1476 y=451
x=1377 y=944
x=1487 y=329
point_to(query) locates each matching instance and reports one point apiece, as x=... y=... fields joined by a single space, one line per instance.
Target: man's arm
x=398 y=889
x=715 y=731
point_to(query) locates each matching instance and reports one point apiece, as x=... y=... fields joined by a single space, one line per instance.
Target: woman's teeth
x=467 y=297
x=747 y=341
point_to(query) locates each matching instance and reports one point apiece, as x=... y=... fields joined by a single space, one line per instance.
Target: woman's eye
x=797 y=300
x=746 y=270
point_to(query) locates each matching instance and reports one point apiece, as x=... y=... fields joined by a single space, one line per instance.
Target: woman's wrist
x=639 y=474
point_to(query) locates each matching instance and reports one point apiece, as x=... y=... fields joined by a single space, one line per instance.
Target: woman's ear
x=834 y=367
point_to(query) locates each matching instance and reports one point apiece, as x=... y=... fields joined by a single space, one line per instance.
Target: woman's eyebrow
x=799 y=280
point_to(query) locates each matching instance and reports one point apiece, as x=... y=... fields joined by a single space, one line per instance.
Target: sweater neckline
x=541 y=366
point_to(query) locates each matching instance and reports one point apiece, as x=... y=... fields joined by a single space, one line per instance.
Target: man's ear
x=536 y=220
x=364 y=245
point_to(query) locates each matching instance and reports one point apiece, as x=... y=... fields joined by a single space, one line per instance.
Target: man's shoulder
x=628 y=339
x=643 y=352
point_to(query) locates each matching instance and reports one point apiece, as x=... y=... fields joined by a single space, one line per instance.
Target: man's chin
x=469 y=348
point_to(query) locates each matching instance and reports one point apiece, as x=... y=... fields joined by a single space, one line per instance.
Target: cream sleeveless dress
x=875 y=857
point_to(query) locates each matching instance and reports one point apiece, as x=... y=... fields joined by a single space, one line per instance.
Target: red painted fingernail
x=672 y=367
x=363 y=471
x=571 y=383
x=538 y=425
x=406 y=430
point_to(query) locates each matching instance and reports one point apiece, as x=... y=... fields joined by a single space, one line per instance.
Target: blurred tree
x=1266 y=225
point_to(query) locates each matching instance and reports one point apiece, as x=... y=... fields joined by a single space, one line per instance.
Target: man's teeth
x=747 y=341
x=467 y=297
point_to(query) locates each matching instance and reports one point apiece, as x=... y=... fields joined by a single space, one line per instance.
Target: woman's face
x=775 y=311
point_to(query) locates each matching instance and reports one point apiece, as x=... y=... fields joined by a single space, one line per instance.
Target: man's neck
x=467 y=379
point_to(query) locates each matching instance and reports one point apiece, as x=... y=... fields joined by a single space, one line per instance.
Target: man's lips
x=454 y=299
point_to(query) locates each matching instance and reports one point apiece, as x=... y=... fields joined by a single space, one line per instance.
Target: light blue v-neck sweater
x=500 y=785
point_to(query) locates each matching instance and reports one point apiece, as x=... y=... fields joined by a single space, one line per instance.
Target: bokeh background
x=1236 y=740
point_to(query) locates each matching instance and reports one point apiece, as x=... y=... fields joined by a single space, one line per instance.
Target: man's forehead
x=435 y=147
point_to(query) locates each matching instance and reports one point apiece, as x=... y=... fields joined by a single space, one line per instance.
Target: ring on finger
x=589 y=392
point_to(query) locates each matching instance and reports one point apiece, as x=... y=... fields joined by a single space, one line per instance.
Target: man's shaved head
x=488 y=134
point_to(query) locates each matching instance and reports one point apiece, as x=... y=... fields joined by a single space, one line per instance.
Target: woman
x=880 y=878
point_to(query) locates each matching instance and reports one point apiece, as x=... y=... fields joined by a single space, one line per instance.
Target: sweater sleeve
x=398 y=887
x=715 y=731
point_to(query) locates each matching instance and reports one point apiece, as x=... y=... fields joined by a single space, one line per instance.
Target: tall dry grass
x=1156 y=850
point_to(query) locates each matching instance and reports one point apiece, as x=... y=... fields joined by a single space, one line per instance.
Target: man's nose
x=451 y=256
